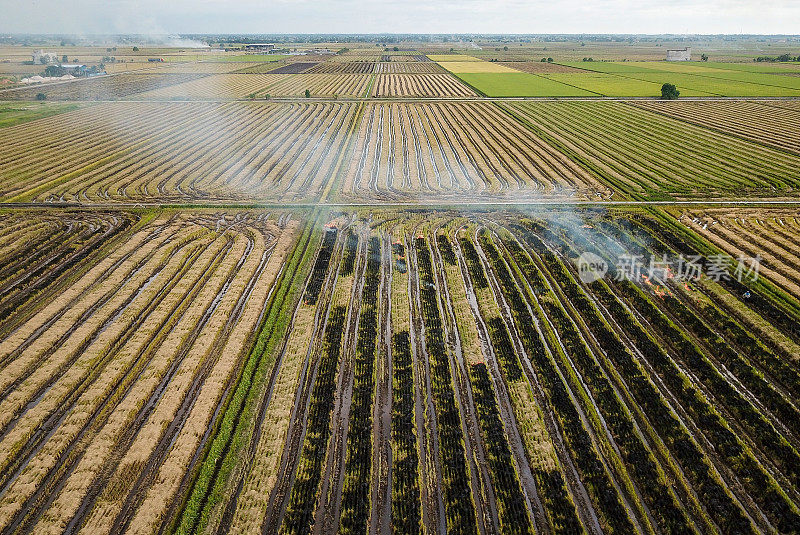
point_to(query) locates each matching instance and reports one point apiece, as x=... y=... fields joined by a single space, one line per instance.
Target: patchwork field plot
x=328 y=67
x=109 y=390
x=174 y=151
x=215 y=87
x=452 y=57
x=452 y=372
x=456 y=150
x=321 y=85
x=459 y=67
x=757 y=121
x=100 y=88
x=741 y=232
x=692 y=78
x=416 y=67
x=645 y=154
x=521 y=84
x=205 y=67
x=539 y=67
x=613 y=85
x=419 y=85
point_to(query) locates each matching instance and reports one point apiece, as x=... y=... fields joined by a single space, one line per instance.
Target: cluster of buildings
x=40 y=57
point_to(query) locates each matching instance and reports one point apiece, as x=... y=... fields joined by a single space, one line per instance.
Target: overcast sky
x=414 y=16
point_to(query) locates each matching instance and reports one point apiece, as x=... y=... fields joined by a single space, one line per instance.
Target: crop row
x=550 y=484
x=511 y=503
x=404 y=151
x=741 y=460
x=593 y=474
x=112 y=87
x=645 y=154
x=228 y=86
x=438 y=85
x=95 y=435
x=188 y=160
x=299 y=516
x=355 y=495
x=459 y=509
x=754 y=121
x=409 y=67
x=39 y=254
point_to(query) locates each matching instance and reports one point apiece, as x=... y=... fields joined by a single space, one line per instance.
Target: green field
x=692 y=78
x=521 y=85
x=612 y=85
x=12 y=113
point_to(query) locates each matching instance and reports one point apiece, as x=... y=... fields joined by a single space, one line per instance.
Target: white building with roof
x=680 y=54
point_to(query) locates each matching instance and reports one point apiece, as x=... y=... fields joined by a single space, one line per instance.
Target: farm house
x=259 y=47
x=680 y=54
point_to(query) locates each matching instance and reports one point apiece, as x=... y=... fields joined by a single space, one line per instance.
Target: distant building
x=74 y=69
x=681 y=54
x=41 y=57
x=260 y=47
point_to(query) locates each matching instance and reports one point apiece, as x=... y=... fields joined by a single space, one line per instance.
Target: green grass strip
x=235 y=429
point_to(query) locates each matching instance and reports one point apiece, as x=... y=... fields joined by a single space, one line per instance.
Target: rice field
x=501 y=390
x=419 y=85
x=177 y=152
x=114 y=374
x=367 y=290
x=419 y=151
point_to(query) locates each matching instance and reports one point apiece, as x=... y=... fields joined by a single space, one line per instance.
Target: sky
x=411 y=16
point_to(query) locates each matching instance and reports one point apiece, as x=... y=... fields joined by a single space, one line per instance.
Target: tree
x=267 y=96
x=40 y=96
x=505 y=48
x=704 y=57
x=136 y=49
x=396 y=49
x=54 y=70
x=549 y=60
x=669 y=92
x=308 y=93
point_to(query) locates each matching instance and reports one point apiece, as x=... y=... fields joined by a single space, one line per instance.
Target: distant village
x=56 y=68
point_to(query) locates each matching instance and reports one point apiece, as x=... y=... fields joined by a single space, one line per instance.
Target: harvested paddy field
x=177 y=152
x=113 y=377
x=442 y=151
x=214 y=87
x=335 y=290
x=761 y=122
x=110 y=87
x=420 y=85
x=416 y=67
x=649 y=155
x=453 y=372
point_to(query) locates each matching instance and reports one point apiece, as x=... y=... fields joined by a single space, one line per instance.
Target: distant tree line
x=782 y=57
